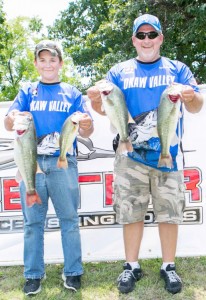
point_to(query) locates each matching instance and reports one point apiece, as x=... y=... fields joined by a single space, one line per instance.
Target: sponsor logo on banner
x=11 y=220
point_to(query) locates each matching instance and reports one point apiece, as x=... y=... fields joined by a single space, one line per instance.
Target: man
x=50 y=102
x=137 y=175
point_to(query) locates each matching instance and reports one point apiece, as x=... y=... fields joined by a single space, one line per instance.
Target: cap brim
x=147 y=23
x=52 y=51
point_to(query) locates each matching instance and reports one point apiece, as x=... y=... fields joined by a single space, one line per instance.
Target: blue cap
x=147 y=19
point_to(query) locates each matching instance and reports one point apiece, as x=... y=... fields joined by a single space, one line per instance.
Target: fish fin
x=62 y=163
x=113 y=128
x=32 y=199
x=18 y=177
x=130 y=119
x=57 y=144
x=165 y=161
x=38 y=169
x=102 y=108
x=124 y=147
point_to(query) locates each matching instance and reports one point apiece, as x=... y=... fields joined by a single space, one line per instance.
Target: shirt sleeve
x=186 y=76
x=81 y=102
x=21 y=101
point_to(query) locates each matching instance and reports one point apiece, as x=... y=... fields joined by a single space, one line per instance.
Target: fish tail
x=62 y=163
x=32 y=199
x=165 y=161
x=124 y=147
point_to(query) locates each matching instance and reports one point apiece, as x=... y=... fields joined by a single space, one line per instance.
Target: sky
x=47 y=10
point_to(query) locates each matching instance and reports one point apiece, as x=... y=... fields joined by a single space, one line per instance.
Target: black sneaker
x=173 y=283
x=32 y=286
x=126 y=280
x=72 y=282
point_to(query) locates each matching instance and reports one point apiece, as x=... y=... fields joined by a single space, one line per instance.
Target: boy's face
x=48 y=66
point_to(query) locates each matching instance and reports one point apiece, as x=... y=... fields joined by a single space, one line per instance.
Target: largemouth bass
x=25 y=154
x=68 y=134
x=116 y=110
x=167 y=118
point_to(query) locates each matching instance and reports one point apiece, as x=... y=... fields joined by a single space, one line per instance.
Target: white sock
x=165 y=264
x=134 y=264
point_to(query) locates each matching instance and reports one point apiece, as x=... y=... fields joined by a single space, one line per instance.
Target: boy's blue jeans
x=61 y=186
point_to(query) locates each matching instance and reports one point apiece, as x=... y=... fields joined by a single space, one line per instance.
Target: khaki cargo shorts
x=135 y=184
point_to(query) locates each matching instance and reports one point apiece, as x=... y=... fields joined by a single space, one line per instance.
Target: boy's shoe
x=32 y=286
x=72 y=282
x=126 y=280
x=173 y=283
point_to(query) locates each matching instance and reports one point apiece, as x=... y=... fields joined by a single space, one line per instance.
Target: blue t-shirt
x=142 y=85
x=50 y=105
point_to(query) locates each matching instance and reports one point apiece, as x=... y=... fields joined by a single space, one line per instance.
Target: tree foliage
x=16 y=57
x=17 y=41
x=97 y=33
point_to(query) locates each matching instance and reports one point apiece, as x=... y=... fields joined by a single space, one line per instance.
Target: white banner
x=100 y=234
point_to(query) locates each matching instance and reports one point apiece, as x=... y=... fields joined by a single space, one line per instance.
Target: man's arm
x=192 y=100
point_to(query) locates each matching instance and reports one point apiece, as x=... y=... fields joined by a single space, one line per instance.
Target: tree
x=16 y=58
x=18 y=39
x=93 y=34
x=97 y=33
x=3 y=31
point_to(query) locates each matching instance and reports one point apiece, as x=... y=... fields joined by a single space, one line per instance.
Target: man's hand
x=86 y=126
x=10 y=118
x=192 y=100
x=188 y=94
x=86 y=122
x=96 y=101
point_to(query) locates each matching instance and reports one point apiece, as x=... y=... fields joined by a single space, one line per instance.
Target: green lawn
x=99 y=282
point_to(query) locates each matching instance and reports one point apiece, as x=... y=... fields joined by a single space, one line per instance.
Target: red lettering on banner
x=108 y=189
x=9 y=196
x=90 y=178
x=192 y=180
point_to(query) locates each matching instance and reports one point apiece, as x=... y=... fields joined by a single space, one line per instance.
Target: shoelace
x=173 y=277
x=125 y=275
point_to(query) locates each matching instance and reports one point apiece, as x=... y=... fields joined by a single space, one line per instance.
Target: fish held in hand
x=68 y=134
x=25 y=155
x=114 y=105
x=167 y=118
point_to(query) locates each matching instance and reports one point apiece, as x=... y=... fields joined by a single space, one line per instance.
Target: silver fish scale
x=25 y=156
x=167 y=119
x=116 y=110
x=67 y=137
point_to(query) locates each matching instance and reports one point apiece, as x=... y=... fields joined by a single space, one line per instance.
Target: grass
x=99 y=282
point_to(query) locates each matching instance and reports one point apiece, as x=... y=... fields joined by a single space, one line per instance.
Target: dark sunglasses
x=151 y=35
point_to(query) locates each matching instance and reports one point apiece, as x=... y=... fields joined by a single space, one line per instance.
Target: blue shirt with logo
x=50 y=105
x=142 y=85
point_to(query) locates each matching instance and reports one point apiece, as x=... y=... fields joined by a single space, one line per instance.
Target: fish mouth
x=104 y=86
x=76 y=118
x=174 y=98
x=20 y=132
x=106 y=92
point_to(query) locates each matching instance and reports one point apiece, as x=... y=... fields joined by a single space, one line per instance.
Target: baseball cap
x=147 y=19
x=50 y=46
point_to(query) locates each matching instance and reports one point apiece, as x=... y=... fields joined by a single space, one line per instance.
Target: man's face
x=148 y=50
x=48 y=66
